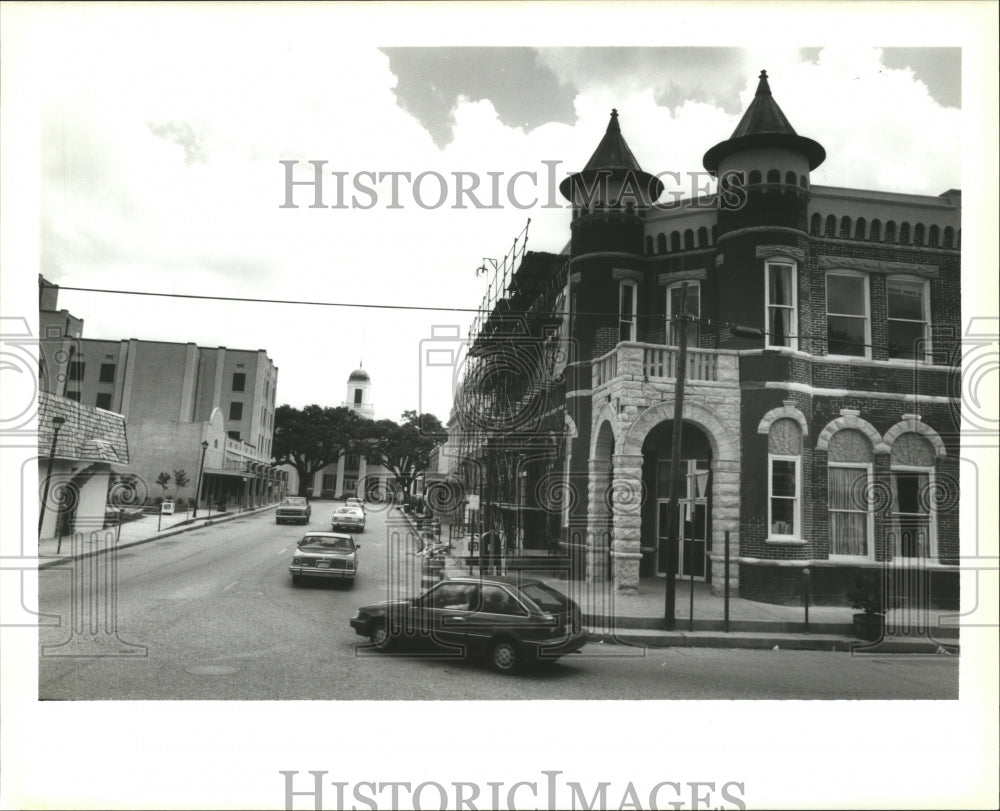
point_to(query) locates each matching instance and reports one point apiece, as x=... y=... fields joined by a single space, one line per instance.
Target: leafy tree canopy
x=314 y=437
x=404 y=449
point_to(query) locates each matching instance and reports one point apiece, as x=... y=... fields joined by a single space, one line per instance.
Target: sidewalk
x=638 y=619
x=142 y=530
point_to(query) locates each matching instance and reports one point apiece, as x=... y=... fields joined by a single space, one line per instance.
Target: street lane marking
x=231 y=585
x=282 y=552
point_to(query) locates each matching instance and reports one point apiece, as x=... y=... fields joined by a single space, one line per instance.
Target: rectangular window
x=236 y=411
x=107 y=373
x=352 y=461
x=76 y=369
x=907 y=309
x=73 y=395
x=626 y=311
x=329 y=481
x=239 y=381
x=912 y=514
x=104 y=401
x=850 y=516
x=357 y=396
x=674 y=298
x=784 y=512
x=847 y=324
x=233 y=434
x=781 y=304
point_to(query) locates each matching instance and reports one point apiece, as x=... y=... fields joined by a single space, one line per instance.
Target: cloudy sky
x=162 y=133
x=142 y=150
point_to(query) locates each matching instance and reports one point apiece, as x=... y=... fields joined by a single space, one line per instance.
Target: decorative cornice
x=681 y=276
x=761 y=229
x=825 y=262
x=623 y=274
x=770 y=251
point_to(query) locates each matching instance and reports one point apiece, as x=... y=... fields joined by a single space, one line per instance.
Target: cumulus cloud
x=161 y=150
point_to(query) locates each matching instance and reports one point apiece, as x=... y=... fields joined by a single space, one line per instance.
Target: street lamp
x=201 y=470
x=58 y=423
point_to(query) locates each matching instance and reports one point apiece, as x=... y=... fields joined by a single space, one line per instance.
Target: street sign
x=167 y=508
x=473 y=502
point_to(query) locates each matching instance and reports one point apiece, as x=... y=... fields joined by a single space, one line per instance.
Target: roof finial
x=613 y=123
x=763 y=87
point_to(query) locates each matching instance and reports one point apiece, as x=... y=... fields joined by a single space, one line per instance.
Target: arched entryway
x=694 y=543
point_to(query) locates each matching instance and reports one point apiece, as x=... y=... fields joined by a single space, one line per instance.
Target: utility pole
x=673 y=518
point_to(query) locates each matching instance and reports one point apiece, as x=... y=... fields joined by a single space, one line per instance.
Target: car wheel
x=381 y=637
x=505 y=656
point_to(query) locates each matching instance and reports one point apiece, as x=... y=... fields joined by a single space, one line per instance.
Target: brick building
x=820 y=412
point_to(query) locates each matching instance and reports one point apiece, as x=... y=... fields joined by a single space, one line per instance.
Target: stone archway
x=724 y=441
x=599 y=518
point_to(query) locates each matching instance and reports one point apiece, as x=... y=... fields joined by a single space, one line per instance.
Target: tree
x=404 y=450
x=163 y=480
x=314 y=437
x=181 y=480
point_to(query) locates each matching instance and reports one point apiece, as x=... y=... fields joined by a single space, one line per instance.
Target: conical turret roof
x=764 y=125
x=613 y=155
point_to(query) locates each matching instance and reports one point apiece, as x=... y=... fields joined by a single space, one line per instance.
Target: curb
x=223 y=518
x=773 y=641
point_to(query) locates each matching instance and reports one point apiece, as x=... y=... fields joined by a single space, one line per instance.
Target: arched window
x=661 y=243
x=773 y=176
x=649 y=246
x=918 y=234
x=875 y=232
x=949 y=237
x=784 y=480
x=675 y=241
x=904 y=234
x=755 y=176
x=804 y=181
x=913 y=527
x=890 y=231
x=849 y=472
x=845 y=227
x=688 y=239
x=934 y=236
x=831 y=227
x=815 y=224
x=703 y=237
x=790 y=178
x=859 y=228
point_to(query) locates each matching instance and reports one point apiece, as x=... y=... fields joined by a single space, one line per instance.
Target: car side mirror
x=357 y=546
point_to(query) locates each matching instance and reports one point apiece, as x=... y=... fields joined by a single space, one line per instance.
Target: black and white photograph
x=545 y=405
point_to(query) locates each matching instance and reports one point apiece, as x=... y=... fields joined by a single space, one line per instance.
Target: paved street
x=212 y=614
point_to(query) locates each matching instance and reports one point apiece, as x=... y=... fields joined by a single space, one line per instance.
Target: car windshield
x=546 y=597
x=327 y=544
x=293 y=502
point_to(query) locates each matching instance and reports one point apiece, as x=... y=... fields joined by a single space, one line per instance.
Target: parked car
x=510 y=620
x=293 y=508
x=325 y=554
x=357 y=503
x=348 y=518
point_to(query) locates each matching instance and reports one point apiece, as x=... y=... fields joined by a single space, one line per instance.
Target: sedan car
x=348 y=518
x=293 y=508
x=510 y=620
x=325 y=554
x=357 y=503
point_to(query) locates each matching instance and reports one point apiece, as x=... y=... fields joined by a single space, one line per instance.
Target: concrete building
x=173 y=397
x=820 y=418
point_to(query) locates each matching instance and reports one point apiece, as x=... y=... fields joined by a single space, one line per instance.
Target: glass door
x=693 y=504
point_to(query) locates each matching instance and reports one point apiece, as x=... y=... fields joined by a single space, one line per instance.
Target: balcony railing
x=657 y=362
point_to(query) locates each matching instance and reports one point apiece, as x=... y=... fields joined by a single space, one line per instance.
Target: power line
x=426 y=308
